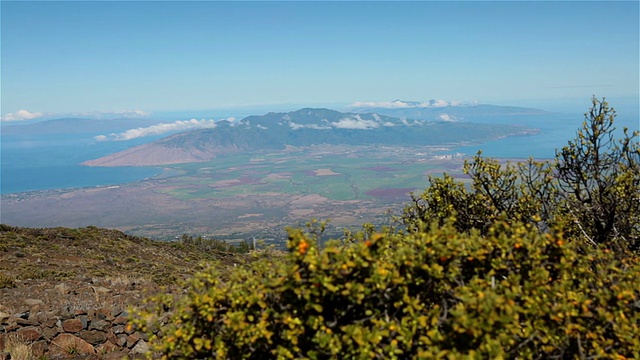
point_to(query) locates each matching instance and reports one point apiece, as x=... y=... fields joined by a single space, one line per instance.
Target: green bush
x=592 y=189
x=209 y=245
x=431 y=293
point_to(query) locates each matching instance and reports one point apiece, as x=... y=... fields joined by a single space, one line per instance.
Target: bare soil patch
x=320 y=172
x=245 y=180
x=390 y=193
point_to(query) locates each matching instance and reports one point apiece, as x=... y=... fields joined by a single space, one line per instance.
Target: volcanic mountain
x=305 y=127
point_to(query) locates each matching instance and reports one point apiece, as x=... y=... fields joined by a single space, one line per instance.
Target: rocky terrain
x=71 y=293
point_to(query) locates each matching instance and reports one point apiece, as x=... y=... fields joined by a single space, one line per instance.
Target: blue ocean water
x=44 y=163
x=556 y=129
x=69 y=176
x=48 y=155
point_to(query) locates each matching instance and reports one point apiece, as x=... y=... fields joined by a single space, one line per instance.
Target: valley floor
x=244 y=197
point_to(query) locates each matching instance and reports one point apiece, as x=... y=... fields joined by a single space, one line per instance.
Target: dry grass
x=6 y=281
x=59 y=254
x=89 y=302
x=99 y=268
x=18 y=348
x=126 y=280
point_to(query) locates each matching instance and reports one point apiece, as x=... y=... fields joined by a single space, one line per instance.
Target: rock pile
x=103 y=332
x=77 y=326
x=64 y=292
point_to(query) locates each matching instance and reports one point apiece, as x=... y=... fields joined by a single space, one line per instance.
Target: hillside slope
x=33 y=261
x=66 y=292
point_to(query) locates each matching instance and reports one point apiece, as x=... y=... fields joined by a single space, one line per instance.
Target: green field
x=336 y=173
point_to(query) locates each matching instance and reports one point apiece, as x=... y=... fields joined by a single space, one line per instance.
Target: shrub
x=433 y=292
x=592 y=188
x=599 y=179
x=208 y=245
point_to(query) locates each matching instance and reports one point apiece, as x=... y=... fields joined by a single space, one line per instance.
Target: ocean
x=556 y=129
x=46 y=163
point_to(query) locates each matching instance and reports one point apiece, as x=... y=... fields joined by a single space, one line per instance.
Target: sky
x=146 y=57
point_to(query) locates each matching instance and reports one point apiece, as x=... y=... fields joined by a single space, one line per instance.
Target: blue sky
x=75 y=57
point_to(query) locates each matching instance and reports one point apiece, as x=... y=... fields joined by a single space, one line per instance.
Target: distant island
x=315 y=126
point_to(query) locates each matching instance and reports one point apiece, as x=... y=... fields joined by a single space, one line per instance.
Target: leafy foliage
x=592 y=189
x=431 y=293
x=520 y=192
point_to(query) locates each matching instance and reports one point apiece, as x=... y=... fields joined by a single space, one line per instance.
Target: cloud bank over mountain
x=21 y=115
x=401 y=104
x=301 y=128
x=161 y=128
x=120 y=114
x=355 y=122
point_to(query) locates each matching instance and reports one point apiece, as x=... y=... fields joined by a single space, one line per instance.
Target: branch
x=577 y=222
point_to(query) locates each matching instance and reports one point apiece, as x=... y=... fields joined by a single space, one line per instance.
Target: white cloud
x=382 y=104
x=355 y=122
x=157 y=129
x=233 y=122
x=261 y=127
x=388 y=124
x=447 y=117
x=296 y=126
x=124 y=113
x=399 y=104
x=131 y=113
x=406 y=122
x=21 y=115
x=438 y=103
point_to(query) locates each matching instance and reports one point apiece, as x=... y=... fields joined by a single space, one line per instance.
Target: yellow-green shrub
x=591 y=188
x=431 y=293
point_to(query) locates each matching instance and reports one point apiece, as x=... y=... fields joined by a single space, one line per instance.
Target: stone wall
x=103 y=333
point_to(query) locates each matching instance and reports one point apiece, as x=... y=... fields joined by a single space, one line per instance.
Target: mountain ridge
x=300 y=128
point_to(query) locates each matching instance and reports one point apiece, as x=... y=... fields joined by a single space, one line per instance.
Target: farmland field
x=241 y=197
x=336 y=173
